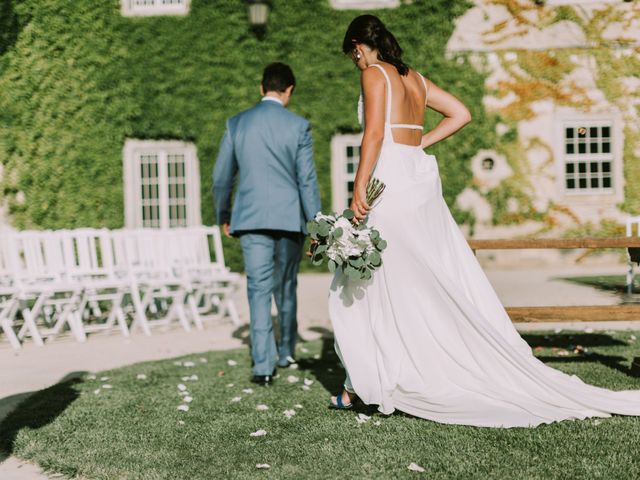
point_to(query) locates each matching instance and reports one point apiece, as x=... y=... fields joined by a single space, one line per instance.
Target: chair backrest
x=631 y=222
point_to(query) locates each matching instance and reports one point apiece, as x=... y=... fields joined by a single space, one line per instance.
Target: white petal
x=141 y=376
x=91 y=377
x=304 y=350
x=236 y=399
x=306 y=387
x=294 y=366
x=106 y=386
x=308 y=382
x=258 y=433
x=183 y=408
x=97 y=391
x=189 y=364
x=292 y=379
x=188 y=399
x=193 y=377
x=102 y=379
x=297 y=405
x=377 y=423
x=247 y=390
x=180 y=422
x=232 y=363
x=182 y=387
x=261 y=408
x=263 y=466
x=179 y=364
x=184 y=379
x=289 y=413
x=183 y=394
x=203 y=360
x=414 y=467
x=229 y=385
x=316 y=356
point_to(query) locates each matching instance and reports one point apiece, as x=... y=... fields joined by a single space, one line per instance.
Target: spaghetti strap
x=426 y=88
x=386 y=76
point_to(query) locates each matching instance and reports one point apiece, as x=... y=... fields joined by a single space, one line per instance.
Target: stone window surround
x=339 y=175
x=363 y=4
x=129 y=9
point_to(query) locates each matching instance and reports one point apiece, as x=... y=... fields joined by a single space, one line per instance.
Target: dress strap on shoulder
x=386 y=76
x=426 y=89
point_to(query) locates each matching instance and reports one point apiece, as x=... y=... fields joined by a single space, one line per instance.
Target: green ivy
x=77 y=79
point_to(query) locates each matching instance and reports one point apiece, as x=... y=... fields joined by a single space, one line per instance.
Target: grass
x=615 y=283
x=135 y=431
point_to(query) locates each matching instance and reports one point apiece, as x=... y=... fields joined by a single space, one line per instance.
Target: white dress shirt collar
x=272 y=99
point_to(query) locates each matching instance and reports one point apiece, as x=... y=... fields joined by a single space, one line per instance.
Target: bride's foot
x=344 y=401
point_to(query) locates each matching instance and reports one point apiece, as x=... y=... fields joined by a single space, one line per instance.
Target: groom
x=269 y=149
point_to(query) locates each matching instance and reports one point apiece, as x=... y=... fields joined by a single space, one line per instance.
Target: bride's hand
x=359 y=204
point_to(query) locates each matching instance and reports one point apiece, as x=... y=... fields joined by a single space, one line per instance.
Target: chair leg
x=231 y=309
x=140 y=317
x=7 y=328
x=30 y=326
x=193 y=309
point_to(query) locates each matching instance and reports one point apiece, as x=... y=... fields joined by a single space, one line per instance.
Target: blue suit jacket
x=269 y=149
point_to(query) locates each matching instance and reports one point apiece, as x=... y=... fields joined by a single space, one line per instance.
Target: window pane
x=593 y=132
x=349 y=151
x=606 y=132
x=571 y=183
x=593 y=147
x=594 y=182
x=606 y=147
x=582 y=148
x=569 y=167
x=570 y=148
x=568 y=132
x=582 y=167
x=582 y=182
x=606 y=182
x=606 y=166
x=593 y=167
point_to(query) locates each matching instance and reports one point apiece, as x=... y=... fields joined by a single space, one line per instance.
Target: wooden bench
x=583 y=313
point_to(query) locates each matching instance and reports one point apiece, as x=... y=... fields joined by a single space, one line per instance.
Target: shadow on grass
x=571 y=339
x=36 y=410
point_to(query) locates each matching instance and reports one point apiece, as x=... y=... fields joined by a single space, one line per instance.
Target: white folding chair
x=631 y=224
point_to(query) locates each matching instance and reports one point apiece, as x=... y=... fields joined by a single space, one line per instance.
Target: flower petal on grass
x=229 y=385
x=247 y=390
x=414 y=467
x=193 y=377
x=183 y=408
x=298 y=406
x=141 y=376
x=258 y=433
x=188 y=399
x=203 y=360
x=377 y=423
x=292 y=379
x=183 y=394
x=289 y=413
x=261 y=408
x=180 y=422
x=304 y=350
x=362 y=418
x=232 y=363
x=293 y=366
x=102 y=379
x=97 y=391
x=106 y=386
x=236 y=399
x=91 y=377
x=182 y=387
x=308 y=382
x=263 y=466
x=306 y=387
x=188 y=364
x=316 y=356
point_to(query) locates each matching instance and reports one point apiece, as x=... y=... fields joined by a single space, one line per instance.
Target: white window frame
x=363 y=4
x=133 y=149
x=615 y=193
x=156 y=7
x=339 y=175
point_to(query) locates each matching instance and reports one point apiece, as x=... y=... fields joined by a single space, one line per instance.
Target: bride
x=427 y=334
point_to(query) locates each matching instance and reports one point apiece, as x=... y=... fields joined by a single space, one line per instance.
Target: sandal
x=339 y=403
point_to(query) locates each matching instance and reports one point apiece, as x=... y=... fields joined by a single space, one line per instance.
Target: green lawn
x=135 y=431
x=615 y=283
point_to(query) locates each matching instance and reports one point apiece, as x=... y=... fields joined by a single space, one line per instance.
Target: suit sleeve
x=224 y=174
x=306 y=175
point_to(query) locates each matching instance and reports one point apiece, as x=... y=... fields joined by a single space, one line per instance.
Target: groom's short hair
x=277 y=77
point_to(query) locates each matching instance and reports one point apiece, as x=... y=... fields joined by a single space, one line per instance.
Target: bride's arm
x=456 y=115
x=373 y=89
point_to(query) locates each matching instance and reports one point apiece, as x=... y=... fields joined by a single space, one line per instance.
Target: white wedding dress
x=427 y=335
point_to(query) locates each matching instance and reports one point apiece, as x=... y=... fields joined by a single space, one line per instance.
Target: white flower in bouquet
x=355 y=249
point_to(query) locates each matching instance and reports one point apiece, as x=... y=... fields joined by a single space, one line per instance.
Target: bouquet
x=354 y=248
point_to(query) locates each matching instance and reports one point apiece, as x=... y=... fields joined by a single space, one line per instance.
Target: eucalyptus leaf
x=348 y=214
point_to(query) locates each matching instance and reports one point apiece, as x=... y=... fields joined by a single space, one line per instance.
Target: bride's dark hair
x=370 y=30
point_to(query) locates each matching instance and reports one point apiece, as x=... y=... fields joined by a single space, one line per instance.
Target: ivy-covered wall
x=77 y=79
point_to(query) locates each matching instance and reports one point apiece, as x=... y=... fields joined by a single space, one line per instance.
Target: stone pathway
x=33 y=368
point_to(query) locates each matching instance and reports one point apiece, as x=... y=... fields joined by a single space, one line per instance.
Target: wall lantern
x=258 y=11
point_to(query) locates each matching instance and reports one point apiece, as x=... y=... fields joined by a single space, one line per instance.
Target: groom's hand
x=226 y=229
x=311 y=244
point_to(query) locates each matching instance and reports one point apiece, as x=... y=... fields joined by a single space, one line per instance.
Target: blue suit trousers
x=271 y=261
